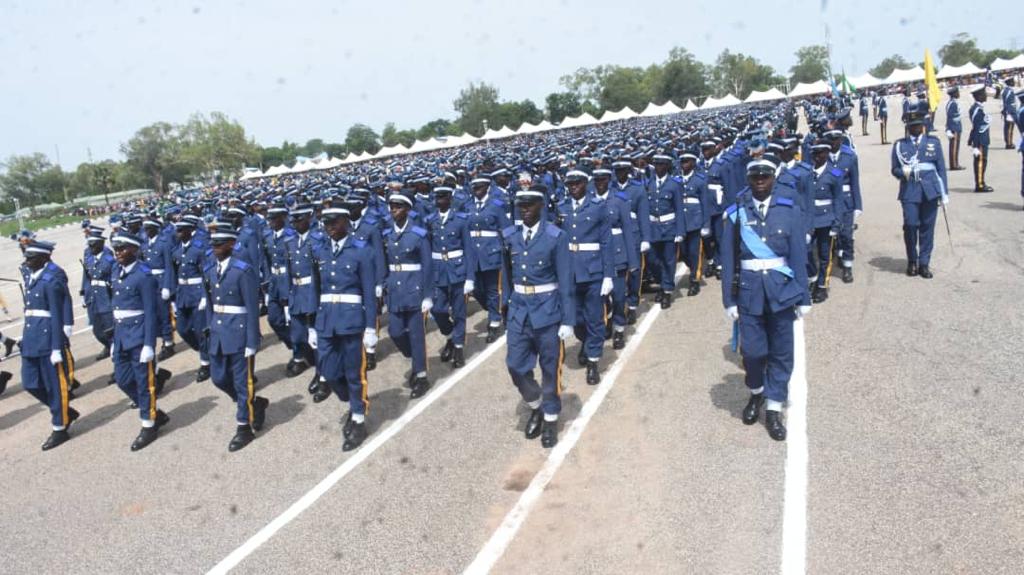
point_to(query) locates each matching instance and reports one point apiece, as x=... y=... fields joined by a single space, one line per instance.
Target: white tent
x=350 y=158
x=545 y=126
x=502 y=132
x=1003 y=64
x=690 y=106
x=251 y=175
x=583 y=119
x=898 y=76
x=865 y=80
x=388 y=151
x=671 y=108
x=727 y=100
x=425 y=145
x=330 y=163
x=462 y=140
x=802 y=89
x=528 y=128
x=765 y=96
x=276 y=170
x=366 y=155
x=955 y=71
x=622 y=114
x=303 y=166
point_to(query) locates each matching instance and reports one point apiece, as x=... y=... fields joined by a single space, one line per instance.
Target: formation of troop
x=557 y=238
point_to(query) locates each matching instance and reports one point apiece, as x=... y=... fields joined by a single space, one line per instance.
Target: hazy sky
x=85 y=75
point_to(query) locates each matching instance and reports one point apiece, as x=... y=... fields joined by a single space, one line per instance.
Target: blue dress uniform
x=135 y=301
x=921 y=170
x=954 y=128
x=302 y=294
x=664 y=196
x=625 y=251
x=190 y=318
x=409 y=283
x=591 y=261
x=713 y=174
x=1009 y=113
x=156 y=253
x=827 y=207
x=541 y=302
x=640 y=227
x=486 y=219
x=96 y=289
x=276 y=246
x=846 y=160
x=979 y=141
x=42 y=341
x=883 y=118
x=772 y=280
x=367 y=230
x=697 y=204
x=452 y=260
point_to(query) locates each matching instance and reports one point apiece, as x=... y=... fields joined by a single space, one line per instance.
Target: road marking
x=502 y=537
x=307 y=500
x=794 y=511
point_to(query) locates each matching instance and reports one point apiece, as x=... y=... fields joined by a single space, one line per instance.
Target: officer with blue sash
x=156 y=254
x=409 y=288
x=136 y=324
x=232 y=313
x=487 y=216
x=541 y=312
x=625 y=249
x=189 y=257
x=764 y=289
x=978 y=139
x=346 y=318
x=918 y=164
x=640 y=228
x=96 y=289
x=826 y=212
x=664 y=196
x=449 y=245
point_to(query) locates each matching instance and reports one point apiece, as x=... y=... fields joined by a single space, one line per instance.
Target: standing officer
x=346 y=319
x=156 y=253
x=584 y=221
x=918 y=164
x=978 y=139
x=232 y=312
x=827 y=206
x=487 y=216
x=276 y=249
x=843 y=158
x=763 y=249
x=42 y=341
x=189 y=257
x=409 y=289
x=624 y=249
x=640 y=228
x=954 y=127
x=883 y=118
x=1009 y=112
x=711 y=165
x=449 y=241
x=365 y=227
x=664 y=196
x=96 y=289
x=136 y=323
x=302 y=294
x=541 y=313
x=697 y=205
x=864 y=114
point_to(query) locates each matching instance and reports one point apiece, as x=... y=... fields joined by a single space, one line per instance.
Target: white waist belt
x=691 y=200
x=664 y=218
x=189 y=281
x=405 y=267
x=303 y=281
x=229 y=309
x=341 y=298
x=483 y=234
x=157 y=272
x=37 y=313
x=125 y=313
x=446 y=256
x=846 y=187
x=99 y=283
x=530 y=290
x=715 y=186
x=760 y=265
x=616 y=231
x=823 y=202
x=584 y=247
x=278 y=270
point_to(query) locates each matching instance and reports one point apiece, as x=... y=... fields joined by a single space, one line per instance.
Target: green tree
x=514 y=114
x=682 y=77
x=216 y=145
x=336 y=150
x=434 y=128
x=811 y=65
x=561 y=105
x=476 y=103
x=987 y=57
x=739 y=74
x=961 y=49
x=887 y=65
x=632 y=86
x=361 y=138
x=156 y=150
x=392 y=136
x=31 y=179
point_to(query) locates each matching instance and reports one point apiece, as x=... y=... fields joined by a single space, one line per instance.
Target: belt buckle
x=530 y=290
x=444 y=256
x=574 y=247
x=399 y=266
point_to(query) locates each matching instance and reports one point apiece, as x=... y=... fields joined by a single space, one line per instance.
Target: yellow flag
x=934 y=94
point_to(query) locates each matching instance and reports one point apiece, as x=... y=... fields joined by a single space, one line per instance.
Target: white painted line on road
x=307 y=500
x=794 y=511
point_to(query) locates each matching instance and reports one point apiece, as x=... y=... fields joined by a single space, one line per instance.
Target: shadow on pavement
x=730 y=394
x=1002 y=206
x=188 y=413
x=283 y=410
x=17 y=416
x=103 y=416
x=887 y=264
x=386 y=406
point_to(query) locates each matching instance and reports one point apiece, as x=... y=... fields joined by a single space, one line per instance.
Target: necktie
x=337 y=248
x=479 y=205
x=763 y=209
x=529 y=235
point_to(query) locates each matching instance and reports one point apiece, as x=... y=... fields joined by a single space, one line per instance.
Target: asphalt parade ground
x=904 y=453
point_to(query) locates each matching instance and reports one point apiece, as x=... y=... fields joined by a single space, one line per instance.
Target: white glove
x=906 y=172
x=67 y=331
x=202 y=304
x=606 y=286
x=311 y=337
x=564 y=332
x=85 y=305
x=165 y=294
x=174 y=308
x=949 y=133
x=55 y=357
x=976 y=152
x=705 y=232
x=856 y=214
x=802 y=311
x=427 y=305
x=266 y=299
x=808 y=238
x=1009 y=117
x=146 y=355
x=644 y=246
x=249 y=352
x=378 y=291
x=732 y=313
x=369 y=338
x=833 y=233
x=945 y=199
x=468 y=287
x=678 y=239
x=287 y=315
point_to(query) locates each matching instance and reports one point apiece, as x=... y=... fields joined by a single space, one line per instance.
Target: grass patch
x=8 y=228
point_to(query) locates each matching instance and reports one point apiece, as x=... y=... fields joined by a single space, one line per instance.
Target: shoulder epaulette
x=508 y=232
x=553 y=230
x=240 y=264
x=845 y=148
x=386 y=232
x=430 y=217
x=144 y=268
x=782 y=201
x=497 y=202
x=46 y=277
x=419 y=231
x=805 y=165
x=622 y=196
x=107 y=257
x=699 y=175
x=677 y=179
x=358 y=243
x=838 y=172
x=370 y=219
x=414 y=214
x=461 y=215
x=209 y=267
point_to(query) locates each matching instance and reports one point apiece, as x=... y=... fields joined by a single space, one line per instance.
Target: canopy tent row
x=767 y=95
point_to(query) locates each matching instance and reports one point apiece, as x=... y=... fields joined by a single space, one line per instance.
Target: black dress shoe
x=847 y=275
x=72 y=416
x=534 y=424
x=9 y=344
x=457 y=358
x=773 y=421
x=492 y=334
x=619 y=340
x=446 y=351
x=371 y=360
x=104 y=354
x=630 y=316
x=581 y=357
x=162 y=377
x=166 y=352
x=820 y=295
x=549 y=435
x=420 y=385
x=5 y=376
x=356 y=437
x=161 y=418
x=75 y=384
x=295 y=367
x=146 y=436
x=911 y=270
x=694 y=288
x=203 y=374
x=753 y=409
x=658 y=296
x=593 y=375
x=243 y=436
x=346 y=428
x=926 y=273
x=313 y=384
x=322 y=391
x=259 y=412
x=56 y=439
x=666 y=300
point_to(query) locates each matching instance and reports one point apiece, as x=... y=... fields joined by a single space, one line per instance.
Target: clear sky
x=85 y=75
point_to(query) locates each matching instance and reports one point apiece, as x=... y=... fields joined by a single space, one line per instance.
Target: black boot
x=619 y=340
x=447 y=351
x=355 y=438
x=295 y=367
x=166 y=352
x=322 y=391
x=9 y=344
x=773 y=421
x=911 y=269
x=146 y=436
x=162 y=377
x=926 y=273
x=820 y=295
x=593 y=375
x=534 y=424
x=103 y=354
x=581 y=357
x=492 y=334
x=313 y=384
x=457 y=359
x=243 y=436
x=549 y=435
x=847 y=275
x=259 y=412
x=203 y=374
x=630 y=316
x=666 y=300
x=420 y=385
x=346 y=426
x=694 y=288
x=5 y=376
x=371 y=360
x=752 y=411
x=56 y=439
x=658 y=296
